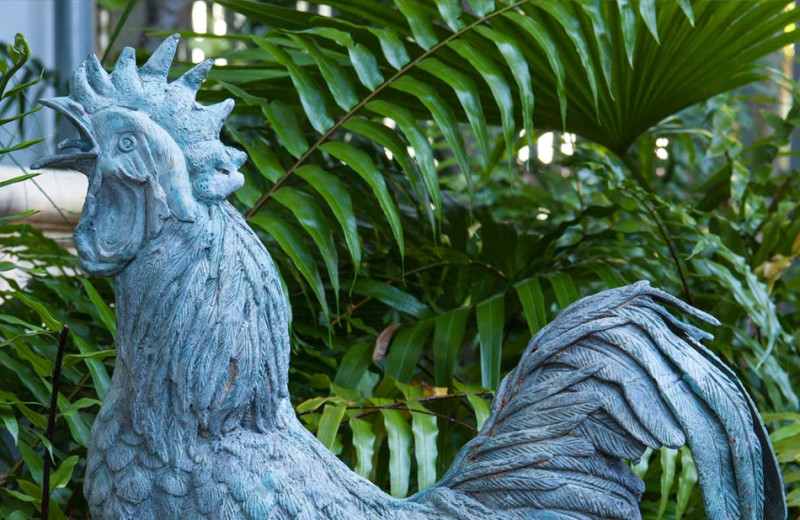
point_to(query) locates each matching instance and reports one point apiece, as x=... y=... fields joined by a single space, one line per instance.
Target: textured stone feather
x=620 y=374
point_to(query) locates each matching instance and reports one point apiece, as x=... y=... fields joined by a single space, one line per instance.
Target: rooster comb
x=171 y=105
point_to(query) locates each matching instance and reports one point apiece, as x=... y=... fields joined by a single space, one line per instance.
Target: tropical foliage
x=394 y=178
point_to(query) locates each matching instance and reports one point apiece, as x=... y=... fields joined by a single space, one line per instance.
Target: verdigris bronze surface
x=198 y=424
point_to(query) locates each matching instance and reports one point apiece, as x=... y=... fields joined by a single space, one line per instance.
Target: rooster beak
x=82 y=161
x=84 y=158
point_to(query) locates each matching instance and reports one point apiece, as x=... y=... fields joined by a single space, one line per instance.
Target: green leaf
x=419 y=143
x=96 y=368
x=336 y=78
x=425 y=430
x=393 y=49
x=262 y=156
x=390 y=140
x=80 y=404
x=362 y=60
x=497 y=84
x=423 y=426
x=443 y=116
x=686 y=482
x=33 y=460
x=16 y=321
x=60 y=477
x=286 y=125
x=106 y=314
x=686 y=6
x=668 y=458
x=467 y=92
x=406 y=349
x=481 y=7
x=21 y=146
x=491 y=317
x=364 y=443
x=338 y=199
x=353 y=365
x=478 y=403
x=572 y=27
x=447 y=341
x=10 y=422
x=451 y=12
x=536 y=31
x=71 y=359
x=366 y=65
x=15 y=180
x=22 y=86
x=518 y=66
x=329 y=424
x=47 y=318
x=314 y=221
x=532 y=300
x=419 y=21
x=564 y=288
x=361 y=163
x=647 y=8
x=481 y=408
x=310 y=93
x=78 y=427
x=292 y=244
x=628 y=22
x=395 y=298
x=603 y=36
x=399 y=440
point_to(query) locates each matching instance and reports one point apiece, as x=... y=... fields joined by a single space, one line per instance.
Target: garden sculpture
x=198 y=423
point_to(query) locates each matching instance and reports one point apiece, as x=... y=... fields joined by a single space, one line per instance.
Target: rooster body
x=198 y=422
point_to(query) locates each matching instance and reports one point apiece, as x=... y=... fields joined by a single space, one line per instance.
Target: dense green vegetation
x=420 y=250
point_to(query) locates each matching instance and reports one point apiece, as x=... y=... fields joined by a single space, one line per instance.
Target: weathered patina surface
x=198 y=423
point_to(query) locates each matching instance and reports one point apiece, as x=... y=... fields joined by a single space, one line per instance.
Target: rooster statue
x=198 y=424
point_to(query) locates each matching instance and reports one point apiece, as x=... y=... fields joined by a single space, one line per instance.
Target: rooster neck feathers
x=203 y=329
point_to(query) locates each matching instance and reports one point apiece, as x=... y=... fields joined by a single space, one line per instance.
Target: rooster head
x=150 y=151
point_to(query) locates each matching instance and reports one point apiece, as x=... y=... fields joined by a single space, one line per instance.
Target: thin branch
x=672 y=251
x=398 y=406
x=15 y=469
x=51 y=421
x=338 y=124
x=373 y=409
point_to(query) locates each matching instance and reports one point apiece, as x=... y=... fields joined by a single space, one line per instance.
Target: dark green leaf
x=491 y=317
x=310 y=93
x=447 y=340
x=399 y=438
x=532 y=299
x=364 y=443
x=338 y=199
x=292 y=244
x=313 y=220
x=329 y=424
x=106 y=314
x=406 y=349
x=361 y=163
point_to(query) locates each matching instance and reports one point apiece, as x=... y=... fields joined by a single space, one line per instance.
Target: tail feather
x=614 y=374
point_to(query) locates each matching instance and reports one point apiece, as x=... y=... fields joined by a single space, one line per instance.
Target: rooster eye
x=127 y=142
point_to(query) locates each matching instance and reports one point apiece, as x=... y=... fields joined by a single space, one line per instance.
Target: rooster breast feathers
x=615 y=373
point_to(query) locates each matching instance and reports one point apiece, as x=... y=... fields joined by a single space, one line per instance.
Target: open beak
x=85 y=156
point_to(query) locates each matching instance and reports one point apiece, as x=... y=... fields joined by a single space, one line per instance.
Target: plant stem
x=51 y=421
x=672 y=250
